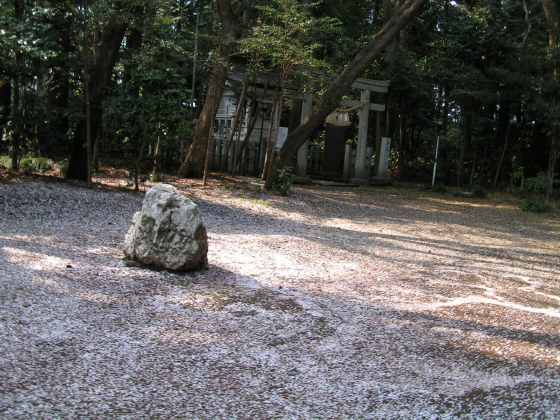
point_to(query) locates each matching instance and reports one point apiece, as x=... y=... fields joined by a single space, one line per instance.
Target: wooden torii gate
x=361 y=166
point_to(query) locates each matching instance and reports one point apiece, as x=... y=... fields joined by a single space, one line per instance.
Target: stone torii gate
x=361 y=165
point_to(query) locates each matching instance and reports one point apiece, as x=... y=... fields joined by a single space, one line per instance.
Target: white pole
x=435 y=162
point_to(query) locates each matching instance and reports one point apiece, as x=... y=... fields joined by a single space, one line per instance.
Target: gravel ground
x=332 y=303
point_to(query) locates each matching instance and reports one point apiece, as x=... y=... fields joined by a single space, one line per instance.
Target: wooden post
x=378 y=137
x=435 y=162
x=347 y=160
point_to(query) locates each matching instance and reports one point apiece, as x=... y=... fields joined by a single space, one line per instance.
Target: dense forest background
x=86 y=83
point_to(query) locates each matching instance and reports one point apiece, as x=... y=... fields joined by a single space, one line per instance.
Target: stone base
x=333 y=183
x=360 y=181
x=302 y=180
x=381 y=181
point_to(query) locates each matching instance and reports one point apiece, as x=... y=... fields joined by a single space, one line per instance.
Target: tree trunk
x=140 y=153
x=59 y=91
x=503 y=155
x=342 y=84
x=466 y=143
x=473 y=169
x=193 y=165
x=209 y=153
x=89 y=151
x=134 y=43
x=99 y=80
x=250 y=128
x=17 y=99
x=156 y=163
x=272 y=136
x=16 y=118
x=5 y=102
x=552 y=15
x=58 y=86
x=403 y=155
x=236 y=124
x=390 y=7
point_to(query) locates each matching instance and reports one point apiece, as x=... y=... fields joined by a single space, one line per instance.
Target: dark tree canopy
x=111 y=82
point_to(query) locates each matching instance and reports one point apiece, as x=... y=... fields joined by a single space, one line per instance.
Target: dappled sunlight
x=185 y=338
x=98 y=297
x=505 y=350
x=482 y=300
x=34 y=260
x=479 y=327
x=55 y=285
x=481 y=204
x=423 y=208
x=56 y=258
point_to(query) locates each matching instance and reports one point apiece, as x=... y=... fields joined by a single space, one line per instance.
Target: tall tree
x=403 y=15
x=552 y=15
x=17 y=90
x=229 y=18
x=105 y=54
x=284 y=44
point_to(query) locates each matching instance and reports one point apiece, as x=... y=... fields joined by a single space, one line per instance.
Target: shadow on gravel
x=410 y=206
x=218 y=336
x=134 y=341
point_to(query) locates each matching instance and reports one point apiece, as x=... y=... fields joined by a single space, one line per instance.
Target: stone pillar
x=384 y=157
x=361 y=174
x=347 y=161
x=378 y=136
x=306 y=110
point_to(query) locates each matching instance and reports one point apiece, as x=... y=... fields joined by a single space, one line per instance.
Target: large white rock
x=168 y=232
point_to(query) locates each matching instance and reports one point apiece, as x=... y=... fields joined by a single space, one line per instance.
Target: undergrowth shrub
x=62 y=167
x=36 y=164
x=439 y=188
x=536 y=184
x=534 y=205
x=283 y=181
x=5 y=162
x=479 y=192
x=155 y=177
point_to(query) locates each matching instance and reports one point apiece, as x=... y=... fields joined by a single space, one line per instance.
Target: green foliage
x=283 y=181
x=479 y=192
x=28 y=164
x=460 y=59
x=151 y=102
x=440 y=188
x=534 y=205
x=518 y=175
x=536 y=184
x=5 y=162
x=285 y=40
x=155 y=177
x=62 y=168
x=36 y=164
